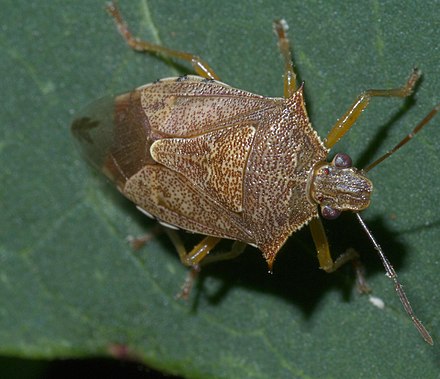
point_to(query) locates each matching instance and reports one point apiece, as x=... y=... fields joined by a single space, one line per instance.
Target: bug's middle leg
x=200 y=255
x=194 y=257
x=200 y=66
x=281 y=27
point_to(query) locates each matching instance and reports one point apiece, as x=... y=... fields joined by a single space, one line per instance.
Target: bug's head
x=337 y=186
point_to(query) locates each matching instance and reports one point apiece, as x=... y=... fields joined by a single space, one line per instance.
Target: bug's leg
x=321 y=243
x=236 y=249
x=281 y=27
x=344 y=124
x=325 y=259
x=138 y=242
x=200 y=66
x=191 y=259
x=197 y=254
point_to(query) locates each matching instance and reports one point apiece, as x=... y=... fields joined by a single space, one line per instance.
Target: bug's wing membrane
x=93 y=130
x=114 y=136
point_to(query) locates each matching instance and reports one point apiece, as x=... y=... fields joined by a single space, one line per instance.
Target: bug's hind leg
x=200 y=66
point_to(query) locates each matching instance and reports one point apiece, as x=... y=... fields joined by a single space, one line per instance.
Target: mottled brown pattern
x=213 y=159
x=171 y=198
x=196 y=106
x=283 y=154
x=214 y=162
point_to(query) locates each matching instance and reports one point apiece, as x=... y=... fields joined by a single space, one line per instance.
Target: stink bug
x=199 y=155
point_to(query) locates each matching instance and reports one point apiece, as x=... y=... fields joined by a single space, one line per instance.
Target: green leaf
x=71 y=286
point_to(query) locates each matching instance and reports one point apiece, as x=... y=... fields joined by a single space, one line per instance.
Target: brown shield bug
x=199 y=155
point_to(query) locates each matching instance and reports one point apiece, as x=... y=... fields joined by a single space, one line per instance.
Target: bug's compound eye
x=330 y=213
x=342 y=160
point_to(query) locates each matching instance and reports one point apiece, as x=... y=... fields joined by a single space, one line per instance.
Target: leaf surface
x=70 y=286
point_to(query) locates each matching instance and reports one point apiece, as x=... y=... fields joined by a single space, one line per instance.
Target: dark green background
x=70 y=286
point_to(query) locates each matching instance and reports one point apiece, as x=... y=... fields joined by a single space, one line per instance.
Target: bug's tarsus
x=113 y=10
x=188 y=284
x=391 y=273
x=361 y=282
x=140 y=241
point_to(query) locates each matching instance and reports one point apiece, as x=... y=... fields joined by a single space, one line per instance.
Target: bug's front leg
x=200 y=66
x=325 y=259
x=344 y=124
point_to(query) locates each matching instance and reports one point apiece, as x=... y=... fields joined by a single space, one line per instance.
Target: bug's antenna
x=417 y=129
x=399 y=289
x=388 y=268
